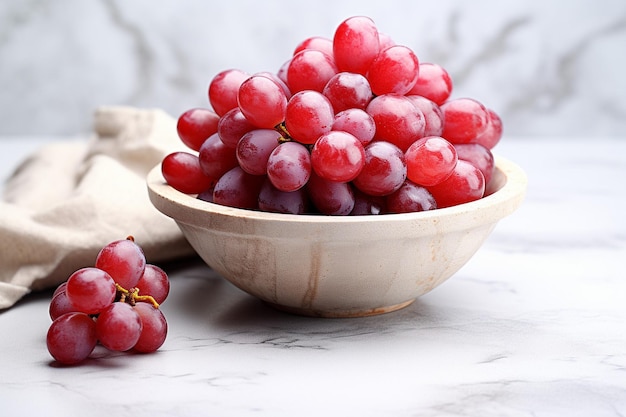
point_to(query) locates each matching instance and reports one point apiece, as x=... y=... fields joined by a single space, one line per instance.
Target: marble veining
x=532 y=326
x=547 y=68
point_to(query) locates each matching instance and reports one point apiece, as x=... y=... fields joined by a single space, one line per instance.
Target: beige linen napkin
x=69 y=199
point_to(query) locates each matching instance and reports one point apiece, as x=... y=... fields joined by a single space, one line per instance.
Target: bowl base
x=302 y=311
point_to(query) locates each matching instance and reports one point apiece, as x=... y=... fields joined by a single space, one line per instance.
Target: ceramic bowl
x=339 y=266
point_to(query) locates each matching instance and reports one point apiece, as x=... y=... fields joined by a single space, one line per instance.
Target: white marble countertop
x=534 y=325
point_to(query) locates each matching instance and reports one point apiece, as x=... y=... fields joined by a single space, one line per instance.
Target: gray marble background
x=550 y=68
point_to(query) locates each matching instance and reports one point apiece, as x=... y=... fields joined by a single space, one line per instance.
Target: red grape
x=195 y=125
x=433 y=82
x=289 y=166
x=232 y=126
x=347 y=90
x=365 y=204
x=60 y=288
x=237 y=188
x=182 y=171
x=338 y=156
x=492 y=133
x=90 y=290
x=60 y=305
x=465 y=119
x=123 y=260
x=71 y=338
x=153 y=328
x=356 y=44
x=356 y=122
x=318 y=43
x=255 y=148
x=430 y=160
x=224 y=88
x=310 y=69
x=330 y=197
x=410 y=198
x=154 y=282
x=433 y=116
x=465 y=184
x=118 y=327
x=216 y=158
x=384 y=171
x=395 y=70
x=272 y=199
x=397 y=120
x=479 y=156
x=262 y=102
x=309 y=115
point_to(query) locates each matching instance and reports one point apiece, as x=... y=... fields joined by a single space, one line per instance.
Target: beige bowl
x=336 y=266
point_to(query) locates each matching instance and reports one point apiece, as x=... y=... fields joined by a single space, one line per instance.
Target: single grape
x=347 y=90
x=289 y=166
x=60 y=305
x=153 y=328
x=385 y=41
x=195 y=125
x=330 y=197
x=216 y=158
x=397 y=120
x=274 y=77
x=384 y=171
x=337 y=156
x=237 y=188
x=118 y=327
x=479 y=156
x=123 y=260
x=356 y=44
x=182 y=171
x=276 y=201
x=365 y=204
x=492 y=133
x=318 y=43
x=433 y=116
x=309 y=115
x=90 y=290
x=430 y=160
x=395 y=70
x=71 y=338
x=232 y=126
x=410 y=198
x=262 y=102
x=357 y=122
x=465 y=184
x=254 y=150
x=282 y=72
x=464 y=120
x=310 y=69
x=154 y=282
x=59 y=288
x=224 y=88
x=433 y=82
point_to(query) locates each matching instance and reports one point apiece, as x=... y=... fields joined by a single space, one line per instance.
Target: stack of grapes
x=116 y=303
x=349 y=125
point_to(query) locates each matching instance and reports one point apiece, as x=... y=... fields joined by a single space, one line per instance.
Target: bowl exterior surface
x=336 y=266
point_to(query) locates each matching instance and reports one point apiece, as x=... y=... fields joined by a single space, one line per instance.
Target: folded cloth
x=69 y=199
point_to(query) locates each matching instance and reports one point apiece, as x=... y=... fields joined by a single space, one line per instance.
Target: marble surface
x=532 y=326
x=549 y=68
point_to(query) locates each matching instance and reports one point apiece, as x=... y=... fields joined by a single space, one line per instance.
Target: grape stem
x=282 y=129
x=133 y=296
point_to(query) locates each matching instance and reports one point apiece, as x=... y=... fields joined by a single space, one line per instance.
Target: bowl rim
x=513 y=190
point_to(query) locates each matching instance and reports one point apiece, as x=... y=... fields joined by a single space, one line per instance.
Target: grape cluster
x=351 y=125
x=114 y=303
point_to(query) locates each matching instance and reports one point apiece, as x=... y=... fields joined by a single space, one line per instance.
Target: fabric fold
x=69 y=199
